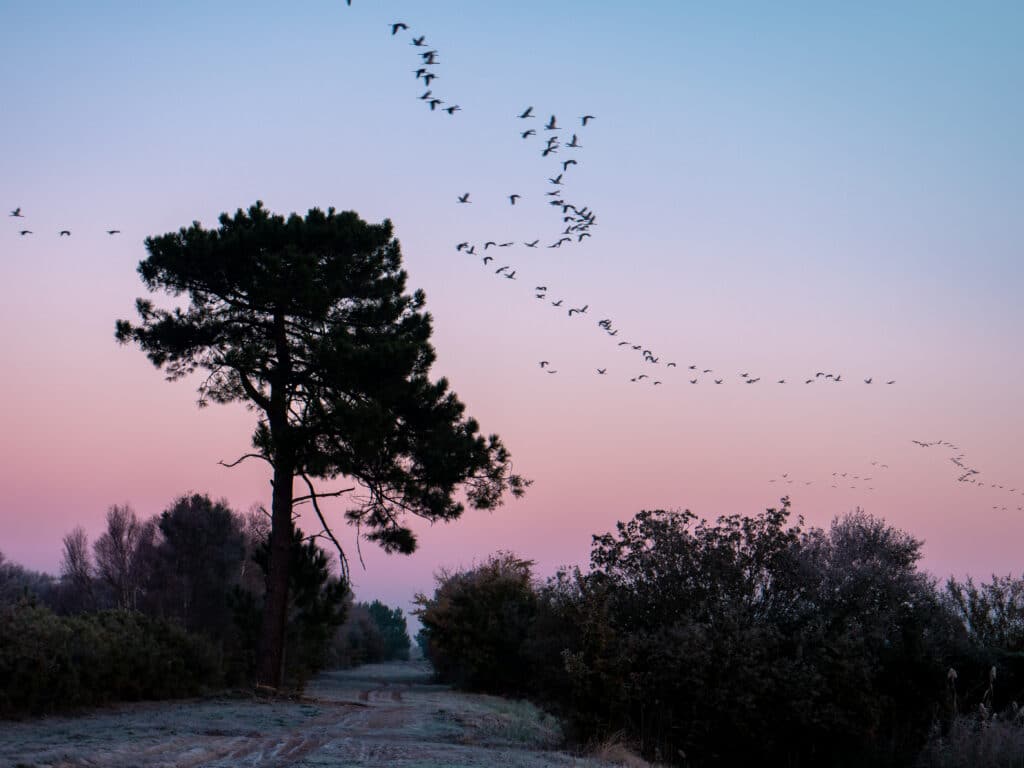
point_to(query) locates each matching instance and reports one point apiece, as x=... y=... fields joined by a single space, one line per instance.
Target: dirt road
x=378 y=715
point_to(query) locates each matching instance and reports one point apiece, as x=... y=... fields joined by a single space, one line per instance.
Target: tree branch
x=243 y=458
x=313 y=496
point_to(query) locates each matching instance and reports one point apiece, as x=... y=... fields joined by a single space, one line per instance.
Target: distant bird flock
x=559 y=141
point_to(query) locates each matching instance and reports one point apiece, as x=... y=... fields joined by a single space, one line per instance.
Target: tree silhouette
x=306 y=321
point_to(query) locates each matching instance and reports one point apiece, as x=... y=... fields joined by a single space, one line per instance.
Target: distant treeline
x=747 y=641
x=171 y=606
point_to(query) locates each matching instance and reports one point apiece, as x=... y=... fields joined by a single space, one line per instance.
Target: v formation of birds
x=560 y=144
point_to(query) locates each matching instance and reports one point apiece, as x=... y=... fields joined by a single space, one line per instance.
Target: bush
x=48 y=663
x=477 y=622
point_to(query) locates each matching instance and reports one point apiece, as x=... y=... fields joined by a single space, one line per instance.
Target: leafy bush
x=477 y=622
x=48 y=662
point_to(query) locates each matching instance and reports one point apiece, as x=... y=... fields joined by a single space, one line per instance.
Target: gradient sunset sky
x=781 y=189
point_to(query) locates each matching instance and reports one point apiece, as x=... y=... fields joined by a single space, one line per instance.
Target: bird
x=867 y=380
x=532 y=245
x=782 y=381
x=511 y=275
x=397 y=26
x=575 y=143
x=557 y=303
x=113 y=231
x=694 y=381
x=471 y=250
x=586 y=119
x=453 y=109
x=567 y=163
x=499 y=270
x=602 y=371
x=891 y=382
x=551 y=125
x=718 y=381
x=461 y=246
x=528 y=134
x=464 y=198
x=670 y=365
x=528 y=112
x=579 y=239
x=557 y=179
x=17 y=213
x=550 y=371
x=419 y=41
x=656 y=383
x=25 y=232
x=426 y=96
x=541 y=288
x=65 y=233
x=550 y=150
x=428 y=77
x=693 y=367
x=809 y=381
x=622 y=344
x=544 y=363
x=506 y=245
x=642 y=376
x=435 y=103
x=488 y=244
x=512 y=198
x=488 y=259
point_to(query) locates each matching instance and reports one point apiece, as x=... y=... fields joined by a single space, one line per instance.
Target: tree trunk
x=275 y=606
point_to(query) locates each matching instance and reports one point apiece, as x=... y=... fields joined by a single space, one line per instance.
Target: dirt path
x=378 y=715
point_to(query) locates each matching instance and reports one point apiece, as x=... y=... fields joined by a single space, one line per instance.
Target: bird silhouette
x=435 y=103
x=532 y=245
x=694 y=381
x=17 y=213
x=512 y=198
x=25 y=232
x=557 y=179
x=891 y=382
x=397 y=26
x=461 y=246
x=567 y=163
x=718 y=381
x=602 y=371
x=65 y=233
x=527 y=134
x=544 y=363
x=426 y=96
x=575 y=143
x=557 y=303
x=113 y=231
x=453 y=109
x=488 y=259
x=464 y=198
x=419 y=42
x=428 y=77
x=867 y=380
x=499 y=270
x=670 y=365
x=551 y=125
x=586 y=119
x=528 y=112
x=488 y=244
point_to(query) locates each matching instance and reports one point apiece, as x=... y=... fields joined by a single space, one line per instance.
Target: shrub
x=477 y=622
x=48 y=662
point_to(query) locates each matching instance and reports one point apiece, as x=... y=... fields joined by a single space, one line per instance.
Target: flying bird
x=464 y=198
x=397 y=26
x=867 y=380
x=602 y=371
x=17 y=213
x=419 y=41
x=25 y=232
x=567 y=163
x=586 y=119
x=499 y=270
x=544 y=363
x=528 y=112
x=461 y=246
x=575 y=144
x=512 y=198
x=113 y=231
x=551 y=125
x=532 y=245
x=527 y=134
x=488 y=244
x=488 y=259
x=557 y=303
x=65 y=233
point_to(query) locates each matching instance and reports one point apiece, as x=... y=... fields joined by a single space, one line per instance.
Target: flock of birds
x=970 y=475
x=560 y=145
x=17 y=214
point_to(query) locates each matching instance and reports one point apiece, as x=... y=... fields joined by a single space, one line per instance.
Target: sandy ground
x=378 y=715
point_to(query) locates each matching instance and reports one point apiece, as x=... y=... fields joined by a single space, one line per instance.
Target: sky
x=780 y=189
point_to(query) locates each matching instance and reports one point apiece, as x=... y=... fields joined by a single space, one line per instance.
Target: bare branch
x=313 y=496
x=243 y=458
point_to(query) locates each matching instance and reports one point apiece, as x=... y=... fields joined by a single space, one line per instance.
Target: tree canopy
x=307 y=321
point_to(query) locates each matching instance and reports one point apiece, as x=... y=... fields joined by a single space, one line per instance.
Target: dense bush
x=750 y=639
x=49 y=662
x=371 y=633
x=477 y=623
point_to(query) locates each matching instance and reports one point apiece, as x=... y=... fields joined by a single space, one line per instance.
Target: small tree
x=307 y=321
x=393 y=630
x=121 y=553
x=76 y=570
